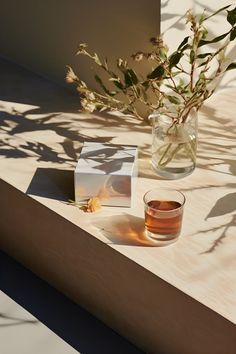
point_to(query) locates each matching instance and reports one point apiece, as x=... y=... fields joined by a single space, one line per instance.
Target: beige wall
x=43 y=35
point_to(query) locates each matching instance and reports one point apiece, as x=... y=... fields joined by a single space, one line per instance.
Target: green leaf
x=133 y=76
x=97 y=60
x=204 y=63
x=192 y=56
x=99 y=81
x=181 y=82
x=182 y=44
x=169 y=86
x=173 y=99
x=163 y=53
x=231 y=17
x=106 y=64
x=157 y=73
x=117 y=82
x=233 y=34
x=187 y=46
x=215 y=13
x=231 y=66
x=204 y=55
x=119 y=85
x=175 y=73
x=130 y=78
x=174 y=59
x=214 y=40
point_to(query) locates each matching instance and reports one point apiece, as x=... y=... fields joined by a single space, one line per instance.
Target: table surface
x=41 y=136
x=22 y=333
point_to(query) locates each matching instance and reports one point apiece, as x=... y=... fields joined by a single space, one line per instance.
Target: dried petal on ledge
x=93 y=204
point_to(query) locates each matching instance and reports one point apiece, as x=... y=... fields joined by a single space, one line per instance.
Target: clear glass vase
x=174 y=145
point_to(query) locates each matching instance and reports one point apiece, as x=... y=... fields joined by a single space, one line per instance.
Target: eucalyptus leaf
x=117 y=82
x=119 y=85
x=233 y=34
x=214 y=40
x=215 y=13
x=231 y=66
x=106 y=64
x=174 y=59
x=187 y=46
x=173 y=99
x=169 y=86
x=163 y=53
x=182 y=44
x=204 y=63
x=97 y=60
x=130 y=77
x=157 y=73
x=231 y=17
x=99 y=81
x=204 y=55
x=192 y=56
x=181 y=82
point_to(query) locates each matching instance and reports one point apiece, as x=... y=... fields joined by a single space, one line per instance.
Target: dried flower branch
x=177 y=87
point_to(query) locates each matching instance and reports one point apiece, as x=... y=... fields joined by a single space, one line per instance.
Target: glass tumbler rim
x=168 y=190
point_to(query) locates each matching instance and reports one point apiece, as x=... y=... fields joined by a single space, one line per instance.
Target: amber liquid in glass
x=166 y=224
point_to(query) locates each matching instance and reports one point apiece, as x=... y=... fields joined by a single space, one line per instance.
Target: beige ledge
x=175 y=299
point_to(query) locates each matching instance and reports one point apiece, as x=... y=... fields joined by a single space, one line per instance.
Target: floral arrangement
x=177 y=82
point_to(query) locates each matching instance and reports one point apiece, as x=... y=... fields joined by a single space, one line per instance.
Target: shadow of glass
x=52 y=183
x=124 y=229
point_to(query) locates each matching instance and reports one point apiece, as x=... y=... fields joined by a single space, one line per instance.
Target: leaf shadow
x=34 y=104
x=15 y=321
x=219 y=240
x=224 y=205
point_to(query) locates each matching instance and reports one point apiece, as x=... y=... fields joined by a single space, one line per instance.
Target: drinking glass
x=163 y=214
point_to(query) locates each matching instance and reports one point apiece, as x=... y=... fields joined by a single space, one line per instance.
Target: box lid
x=99 y=158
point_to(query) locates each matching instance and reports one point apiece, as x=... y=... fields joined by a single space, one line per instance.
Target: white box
x=108 y=172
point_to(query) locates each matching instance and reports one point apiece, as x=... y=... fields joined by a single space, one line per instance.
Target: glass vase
x=174 y=145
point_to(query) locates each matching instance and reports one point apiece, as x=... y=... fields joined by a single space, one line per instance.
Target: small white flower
x=90 y=96
x=138 y=56
x=70 y=76
x=150 y=56
x=88 y=105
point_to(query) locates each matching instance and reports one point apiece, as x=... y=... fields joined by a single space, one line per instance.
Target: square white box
x=108 y=172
